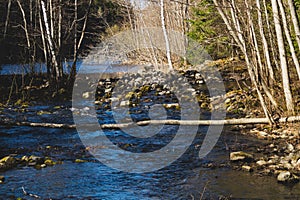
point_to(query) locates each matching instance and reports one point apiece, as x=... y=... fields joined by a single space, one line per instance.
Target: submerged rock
x=240 y=156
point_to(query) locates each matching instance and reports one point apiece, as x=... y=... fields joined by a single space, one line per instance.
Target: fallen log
x=241 y=121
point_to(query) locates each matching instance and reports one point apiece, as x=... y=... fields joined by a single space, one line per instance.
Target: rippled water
x=184 y=179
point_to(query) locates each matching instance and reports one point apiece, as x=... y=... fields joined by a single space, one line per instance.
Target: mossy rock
x=25 y=159
x=8 y=162
x=49 y=162
x=204 y=106
x=129 y=95
x=33 y=160
x=42 y=112
x=80 y=161
x=21 y=103
x=61 y=91
x=145 y=88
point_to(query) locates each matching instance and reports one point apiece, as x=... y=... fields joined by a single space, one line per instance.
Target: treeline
x=54 y=31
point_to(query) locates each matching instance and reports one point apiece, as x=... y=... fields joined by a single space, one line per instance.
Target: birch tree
x=49 y=37
x=248 y=23
x=282 y=57
x=168 y=51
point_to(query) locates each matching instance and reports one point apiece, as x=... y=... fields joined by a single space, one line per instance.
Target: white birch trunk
x=50 y=41
x=271 y=38
x=165 y=34
x=283 y=61
x=43 y=41
x=288 y=37
x=25 y=24
x=264 y=41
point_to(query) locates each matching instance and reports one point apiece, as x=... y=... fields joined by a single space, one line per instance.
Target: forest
x=264 y=34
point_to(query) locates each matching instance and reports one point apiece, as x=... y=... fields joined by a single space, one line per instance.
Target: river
x=187 y=178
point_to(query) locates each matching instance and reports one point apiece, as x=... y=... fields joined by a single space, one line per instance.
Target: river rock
x=240 y=156
x=7 y=162
x=261 y=162
x=2 y=179
x=43 y=165
x=171 y=105
x=34 y=160
x=247 y=168
x=124 y=103
x=262 y=134
x=290 y=147
x=80 y=161
x=86 y=95
x=284 y=176
x=49 y=162
x=25 y=159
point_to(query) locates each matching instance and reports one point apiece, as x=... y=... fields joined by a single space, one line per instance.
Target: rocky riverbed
x=264 y=151
x=280 y=157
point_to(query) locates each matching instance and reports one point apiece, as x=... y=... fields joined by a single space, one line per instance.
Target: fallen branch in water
x=46 y=125
x=29 y=194
x=163 y=122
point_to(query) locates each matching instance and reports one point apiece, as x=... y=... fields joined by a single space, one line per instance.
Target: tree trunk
x=291 y=119
x=295 y=21
x=44 y=43
x=165 y=34
x=77 y=45
x=60 y=32
x=7 y=18
x=283 y=61
x=264 y=42
x=271 y=36
x=25 y=25
x=288 y=37
x=50 y=42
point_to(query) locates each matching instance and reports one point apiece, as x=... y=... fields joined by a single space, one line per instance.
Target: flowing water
x=186 y=178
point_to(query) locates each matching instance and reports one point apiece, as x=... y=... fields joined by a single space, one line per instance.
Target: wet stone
x=284 y=176
x=240 y=156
